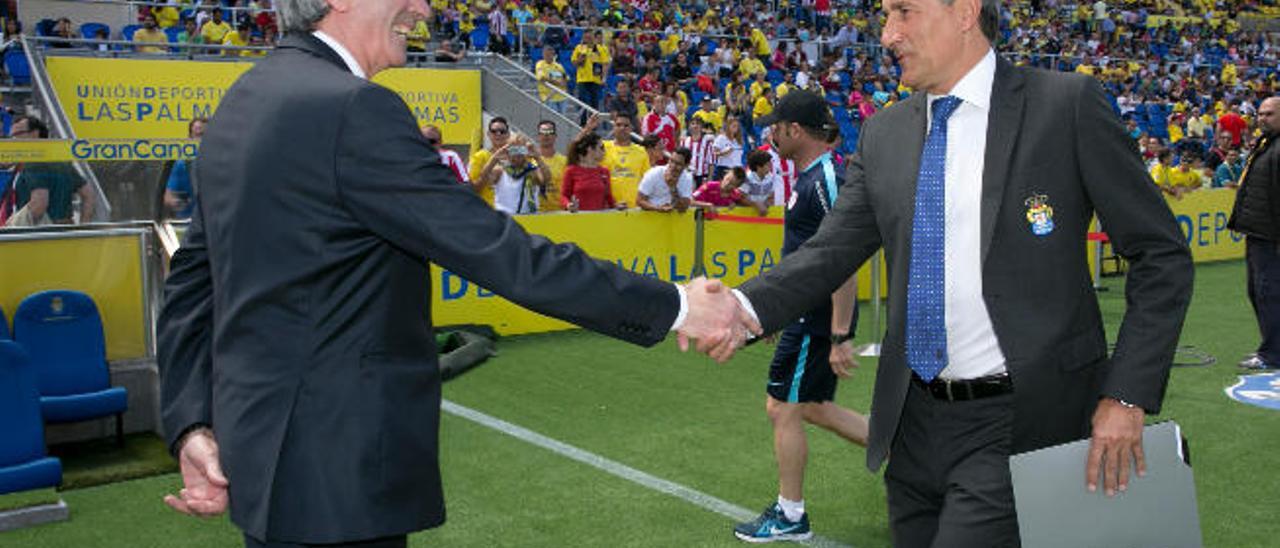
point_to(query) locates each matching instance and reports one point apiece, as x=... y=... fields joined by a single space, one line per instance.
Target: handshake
x=716 y=319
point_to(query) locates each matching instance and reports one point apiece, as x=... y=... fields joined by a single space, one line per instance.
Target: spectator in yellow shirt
x=760 y=43
x=215 y=29
x=150 y=34
x=751 y=66
x=626 y=161
x=759 y=85
x=238 y=37
x=166 y=16
x=551 y=73
x=1229 y=75
x=416 y=40
x=554 y=161
x=592 y=61
x=499 y=136
x=764 y=105
x=711 y=119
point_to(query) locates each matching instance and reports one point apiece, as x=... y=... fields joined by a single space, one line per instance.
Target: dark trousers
x=1263 y=260
x=948 y=479
x=589 y=93
x=399 y=541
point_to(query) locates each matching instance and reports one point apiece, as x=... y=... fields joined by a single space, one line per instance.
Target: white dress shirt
x=342 y=52
x=972 y=348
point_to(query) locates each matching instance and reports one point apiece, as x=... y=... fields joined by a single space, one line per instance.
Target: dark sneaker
x=1256 y=364
x=771 y=525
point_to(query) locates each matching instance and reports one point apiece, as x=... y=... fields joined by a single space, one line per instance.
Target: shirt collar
x=342 y=52
x=975 y=87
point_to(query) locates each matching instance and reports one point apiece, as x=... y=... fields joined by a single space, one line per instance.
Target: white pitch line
x=698 y=498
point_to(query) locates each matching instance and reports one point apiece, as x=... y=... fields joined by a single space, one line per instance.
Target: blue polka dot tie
x=926 y=296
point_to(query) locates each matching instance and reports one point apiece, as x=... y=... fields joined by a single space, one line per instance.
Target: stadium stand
x=4 y=326
x=23 y=462
x=62 y=331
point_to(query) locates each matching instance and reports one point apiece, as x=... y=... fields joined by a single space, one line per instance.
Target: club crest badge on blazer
x=1039 y=214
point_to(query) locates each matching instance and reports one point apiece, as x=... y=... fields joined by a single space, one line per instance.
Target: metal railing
x=61 y=126
x=128 y=48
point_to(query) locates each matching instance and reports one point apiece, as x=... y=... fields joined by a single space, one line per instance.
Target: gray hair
x=988 y=19
x=301 y=16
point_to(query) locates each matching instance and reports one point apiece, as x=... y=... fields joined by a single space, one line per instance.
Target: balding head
x=1269 y=115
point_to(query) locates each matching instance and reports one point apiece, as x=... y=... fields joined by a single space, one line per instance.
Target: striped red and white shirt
x=784 y=169
x=702 y=161
x=455 y=164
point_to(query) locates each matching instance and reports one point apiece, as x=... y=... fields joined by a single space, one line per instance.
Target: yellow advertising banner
x=659 y=245
x=107 y=268
x=448 y=99
x=156 y=99
x=13 y=151
x=1203 y=216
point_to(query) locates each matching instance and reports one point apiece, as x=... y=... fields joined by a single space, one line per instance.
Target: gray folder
x=1157 y=511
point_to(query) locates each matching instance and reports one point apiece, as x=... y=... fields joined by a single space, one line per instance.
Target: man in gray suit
x=981 y=189
x=300 y=384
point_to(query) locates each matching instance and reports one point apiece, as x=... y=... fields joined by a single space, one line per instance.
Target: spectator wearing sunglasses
x=499 y=132
x=555 y=163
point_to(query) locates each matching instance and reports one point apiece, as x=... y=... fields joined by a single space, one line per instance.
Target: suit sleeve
x=1143 y=231
x=184 y=336
x=390 y=180
x=805 y=279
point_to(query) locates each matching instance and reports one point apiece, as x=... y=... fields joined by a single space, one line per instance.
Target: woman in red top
x=586 y=184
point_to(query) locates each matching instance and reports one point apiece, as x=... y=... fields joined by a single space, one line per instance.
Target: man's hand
x=204 y=492
x=1117 y=440
x=843 y=359
x=715 y=319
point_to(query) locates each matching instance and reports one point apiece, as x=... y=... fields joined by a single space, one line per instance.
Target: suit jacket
x=1048 y=133
x=297 y=319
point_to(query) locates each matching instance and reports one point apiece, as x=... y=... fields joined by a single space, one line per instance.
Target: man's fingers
x=1111 y=469
x=1091 y=467
x=1124 y=455
x=750 y=323
x=213 y=472
x=682 y=341
x=177 y=504
x=1140 y=458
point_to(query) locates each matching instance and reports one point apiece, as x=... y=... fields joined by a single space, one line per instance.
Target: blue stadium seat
x=23 y=462
x=126 y=33
x=172 y=33
x=480 y=39
x=62 y=331
x=4 y=326
x=774 y=77
x=575 y=38
x=15 y=63
x=90 y=30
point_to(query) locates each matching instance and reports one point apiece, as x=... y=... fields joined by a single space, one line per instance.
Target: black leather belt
x=964 y=390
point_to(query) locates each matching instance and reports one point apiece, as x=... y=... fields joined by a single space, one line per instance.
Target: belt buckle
x=947 y=383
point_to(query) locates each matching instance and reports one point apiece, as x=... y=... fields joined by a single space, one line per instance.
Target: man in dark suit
x=981 y=188
x=299 y=375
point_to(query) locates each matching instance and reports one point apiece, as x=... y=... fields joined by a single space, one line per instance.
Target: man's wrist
x=199 y=428
x=840 y=338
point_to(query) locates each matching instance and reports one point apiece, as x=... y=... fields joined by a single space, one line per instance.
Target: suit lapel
x=1003 y=124
x=913 y=141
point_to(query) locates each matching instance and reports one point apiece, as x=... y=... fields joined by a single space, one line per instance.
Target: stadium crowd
x=693 y=75
x=1186 y=76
